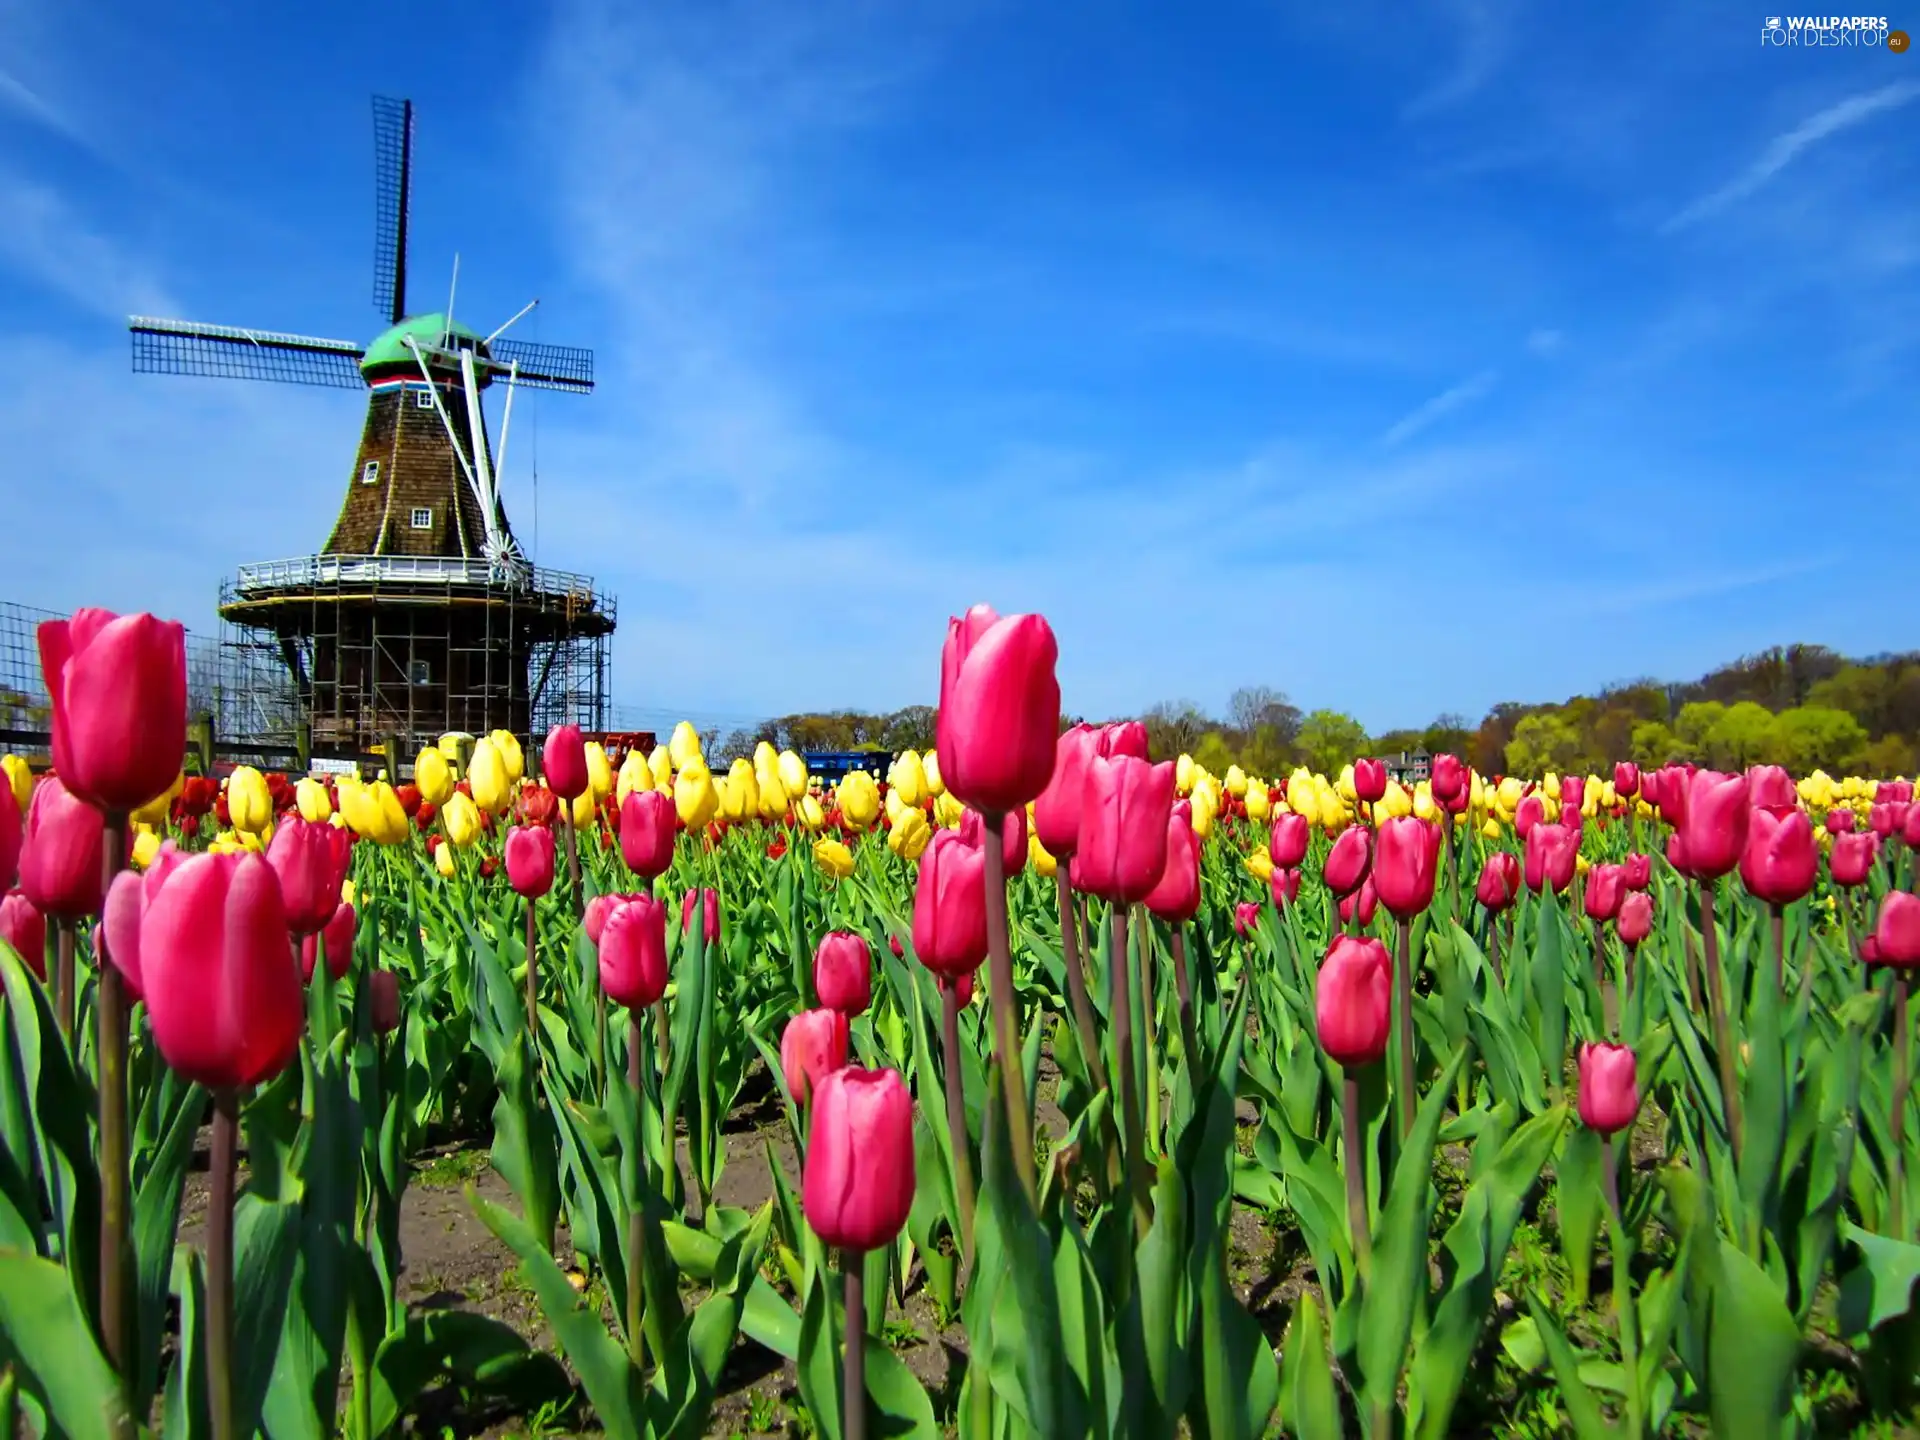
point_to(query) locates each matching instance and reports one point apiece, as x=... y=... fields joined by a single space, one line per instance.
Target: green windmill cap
x=389 y=350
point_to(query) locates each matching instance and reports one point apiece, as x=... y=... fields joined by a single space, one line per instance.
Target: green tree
x=1174 y=727
x=1213 y=753
x=1330 y=739
x=1741 y=736
x=1815 y=737
x=1693 y=728
x=1654 y=745
x=1891 y=755
x=1543 y=741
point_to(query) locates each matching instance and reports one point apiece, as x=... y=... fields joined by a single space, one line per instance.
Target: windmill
x=421 y=613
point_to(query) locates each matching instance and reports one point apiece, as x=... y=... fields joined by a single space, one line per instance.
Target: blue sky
x=1405 y=357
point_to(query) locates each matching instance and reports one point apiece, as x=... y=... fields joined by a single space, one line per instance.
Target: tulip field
x=1030 y=1086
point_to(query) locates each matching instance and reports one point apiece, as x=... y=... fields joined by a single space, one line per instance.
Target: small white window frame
x=421 y=517
x=370 y=473
x=423 y=399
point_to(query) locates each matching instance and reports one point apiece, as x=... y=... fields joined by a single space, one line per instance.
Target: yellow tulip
x=433 y=777
x=1183 y=770
x=765 y=757
x=1259 y=808
x=460 y=818
x=896 y=807
x=660 y=764
x=1205 y=806
x=387 y=822
x=511 y=756
x=684 y=746
x=1398 y=801
x=249 y=803
x=1581 y=865
x=1260 y=865
x=227 y=842
x=310 y=798
x=1235 y=782
x=146 y=845
x=634 y=776
x=909 y=835
x=488 y=779
x=930 y=763
x=1044 y=865
x=859 y=799
x=154 y=812
x=695 y=796
x=599 y=772
x=1343 y=786
x=810 y=812
x=792 y=771
x=19 y=779
x=1492 y=829
x=443 y=860
x=909 y=777
x=948 y=810
x=833 y=858
x=583 y=808
x=1508 y=795
x=742 y=797
x=1423 y=802
x=1476 y=791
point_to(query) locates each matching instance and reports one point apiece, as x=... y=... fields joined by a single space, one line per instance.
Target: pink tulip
x=60 y=862
x=648 y=832
x=1123 y=833
x=1553 y=854
x=1626 y=779
x=1853 y=856
x=812 y=1047
x=1013 y=838
x=1771 y=787
x=1056 y=813
x=222 y=992
x=593 y=918
x=1176 y=898
x=1841 y=822
x=563 y=762
x=1405 y=862
x=118 y=684
x=1780 y=862
x=950 y=906
x=1531 y=811
x=1360 y=905
x=1287 y=846
x=999 y=719
x=858 y=1184
x=383 y=1001
x=1369 y=780
x=1246 y=918
x=1284 y=886
x=1715 y=824
x=1449 y=780
x=843 y=973
x=530 y=860
x=1499 y=881
x=1348 y=860
x=1639 y=871
x=1635 y=921
x=337 y=938
x=633 y=952
x=1897 y=932
x=1609 y=1089
x=709 y=902
x=12 y=834
x=311 y=864
x=25 y=929
x=1129 y=737
x=118 y=932
x=1353 y=1001
x=1605 y=892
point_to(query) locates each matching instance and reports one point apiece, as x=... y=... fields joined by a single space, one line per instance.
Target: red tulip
x=1880 y=819
x=118 y=684
x=1841 y=822
x=1626 y=779
x=383 y=1001
x=529 y=854
x=1348 y=861
x=1284 y=886
x=960 y=985
x=1573 y=795
x=950 y=906
x=1499 y=881
x=1910 y=828
x=310 y=862
x=1369 y=780
x=338 y=938
x=899 y=950
x=633 y=951
x=1129 y=737
x=1246 y=916
x=1449 y=780
x=1609 y=1089
x=1677 y=853
x=24 y=928
x=1853 y=857
x=12 y=834
x=1531 y=811
x=858 y=1186
x=1780 y=862
x=843 y=973
x=647 y=832
x=812 y=1047
x=1013 y=838
x=1287 y=846
x=1897 y=932
x=1056 y=813
x=1869 y=950
x=1404 y=865
x=593 y=919
x=407 y=795
x=1771 y=787
x=1639 y=871
x=1714 y=824
x=709 y=913
x=537 y=805
x=1123 y=833
x=223 y=994
x=60 y=861
x=1553 y=854
x=1176 y=898
x=1635 y=921
x=999 y=718
x=1605 y=891
x=563 y=762
x=1889 y=791
x=1360 y=904
x=118 y=932
x=1353 y=1005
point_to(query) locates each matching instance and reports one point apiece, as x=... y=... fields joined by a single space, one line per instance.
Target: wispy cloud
x=1614 y=598
x=1430 y=412
x=1486 y=31
x=21 y=99
x=49 y=242
x=1545 y=342
x=1785 y=148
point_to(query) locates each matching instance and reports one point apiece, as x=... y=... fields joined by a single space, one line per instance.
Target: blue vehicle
x=831 y=765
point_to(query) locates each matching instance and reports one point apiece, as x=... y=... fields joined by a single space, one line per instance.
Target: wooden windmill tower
x=421 y=613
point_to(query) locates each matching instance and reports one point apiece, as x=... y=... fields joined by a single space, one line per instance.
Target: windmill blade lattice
x=228 y=352
x=546 y=367
x=392 y=200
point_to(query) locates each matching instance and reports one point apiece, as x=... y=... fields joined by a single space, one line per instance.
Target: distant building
x=1409 y=767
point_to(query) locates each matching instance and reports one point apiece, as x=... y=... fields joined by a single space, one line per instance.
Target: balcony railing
x=314 y=571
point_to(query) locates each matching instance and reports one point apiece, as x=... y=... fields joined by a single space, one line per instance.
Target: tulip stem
x=600 y=1041
x=1145 y=958
x=1779 y=919
x=226 y=1124
x=1493 y=949
x=1007 y=1022
x=111 y=1014
x=573 y=855
x=1354 y=1163
x=1121 y=1002
x=962 y=1143
x=533 y=982
x=1076 y=976
x=1722 y=1026
x=1624 y=1317
x=1902 y=1079
x=1183 y=986
x=637 y=1216
x=854 y=1362
x=63 y=997
x=1404 y=1099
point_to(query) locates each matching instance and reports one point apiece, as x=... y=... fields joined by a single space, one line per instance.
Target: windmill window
x=423 y=399
x=423 y=518
x=418 y=673
x=370 y=473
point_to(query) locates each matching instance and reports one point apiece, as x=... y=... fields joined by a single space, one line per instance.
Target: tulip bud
x=812 y=1047
x=910 y=833
x=647 y=833
x=859 y=799
x=310 y=861
x=633 y=951
x=1369 y=780
x=1896 y=933
x=249 y=803
x=487 y=778
x=563 y=762
x=843 y=973
x=1175 y=898
x=24 y=928
x=1284 y=886
x=695 y=797
x=60 y=853
x=1360 y=905
x=1770 y=787
x=999 y=716
x=1609 y=1089
x=383 y=1001
x=1246 y=917
x=1288 y=844
x=1605 y=891
x=709 y=902
x=1348 y=861
x=1714 y=823
x=950 y=906
x=859 y=1180
x=1639 y=871
x=1499 y=881
x=1626 y=779
x=1353 y=1001
x=1853 y=858
x=1553 y=854
x=529 y=856
x=1013 y=838
x=1780 y=861
x=1635 y=921
x=1123 y=839
x=1449 y=780
x=118 y=687
x=832 y=859
x=337 y=942
x=19 y=777
x=1405 y=860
